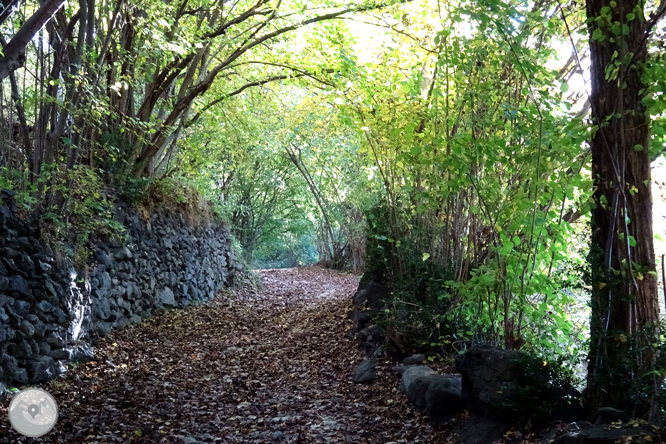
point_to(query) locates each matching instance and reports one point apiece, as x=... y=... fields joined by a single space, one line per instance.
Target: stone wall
x=49 y=312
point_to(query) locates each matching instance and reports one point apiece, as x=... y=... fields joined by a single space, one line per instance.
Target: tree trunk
x=624 y=295
x=14 y=51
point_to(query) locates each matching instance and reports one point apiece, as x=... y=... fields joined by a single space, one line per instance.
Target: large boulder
x=490 y=379
x=42 y=369
x=411 y=374
x=82 y=352
x=361 y=318
x=515 y=387
x=416 y=391
x=439 y=395
x=414 y=359
x=371 y=338
x=444 y=397
x=372 y=295
x=365 y=372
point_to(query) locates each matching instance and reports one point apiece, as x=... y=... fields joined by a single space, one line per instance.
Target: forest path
x=247 y=367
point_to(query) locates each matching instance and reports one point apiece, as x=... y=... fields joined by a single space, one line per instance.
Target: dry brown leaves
x=249 y=367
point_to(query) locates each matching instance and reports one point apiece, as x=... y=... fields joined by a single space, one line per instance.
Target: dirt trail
x=245 y=368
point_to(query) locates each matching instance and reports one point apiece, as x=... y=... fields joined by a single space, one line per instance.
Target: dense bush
x=547 y=393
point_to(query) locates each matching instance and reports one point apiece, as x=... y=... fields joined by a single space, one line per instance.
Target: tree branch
x=300 y=73
x=14 y=52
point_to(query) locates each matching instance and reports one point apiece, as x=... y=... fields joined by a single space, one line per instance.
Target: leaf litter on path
x=250 y=366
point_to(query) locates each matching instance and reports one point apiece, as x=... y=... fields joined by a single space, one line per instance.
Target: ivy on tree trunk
x=624 y=295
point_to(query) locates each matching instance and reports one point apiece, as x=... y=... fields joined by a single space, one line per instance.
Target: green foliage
x=448 y=155
x=173 y=191
x=547 y=391
x=239 y=160
x=12 y=179
x=80 y=214
x=479 y=165
x=630 y=392
x=135 y=189
x=290 y=251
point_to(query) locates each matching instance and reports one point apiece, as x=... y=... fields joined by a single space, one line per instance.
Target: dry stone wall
x=50 y=312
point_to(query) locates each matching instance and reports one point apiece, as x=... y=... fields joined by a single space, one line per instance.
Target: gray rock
x=123 y=254
x=9 y=332
x=490 y=379
x=9 y=264
x=42 y=369
x=25 y=245
x=40 y=329
x=22 y=308
x=60 y=316
x=45 y=306
x=101 y=257
x=55 y=340
x=20 y=376
x=609 y=415
x=7 y=252
x=121 y=323
x=19 y=285
x=21 y=350
x=105 y=281
x=165 y=297
x=44 y=348
x=34 y=346
x=413 y=373
x=365 y=372
x=444 y=397
x=102 y=328
x=371 y=338
x=82 y=353
x=8 y=363
x=144 y=279
x=101 y=308
x=124 y=304
x=52 y=288
x=61 y=354
x=27 y=328
x=416 y=390
x=372 y=295
x=398 y=370
x=414 y=359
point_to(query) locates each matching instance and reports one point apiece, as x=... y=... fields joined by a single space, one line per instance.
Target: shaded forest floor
x=248 y=367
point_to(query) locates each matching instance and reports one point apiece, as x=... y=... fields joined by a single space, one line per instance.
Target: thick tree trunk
x=624 y=296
